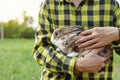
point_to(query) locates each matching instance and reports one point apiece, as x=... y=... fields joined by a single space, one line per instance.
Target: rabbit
x=64 y=38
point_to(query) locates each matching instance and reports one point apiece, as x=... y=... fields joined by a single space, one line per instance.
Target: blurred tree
x=27 y=20
x=27 y=32
x=13 y=29
x=1 y=31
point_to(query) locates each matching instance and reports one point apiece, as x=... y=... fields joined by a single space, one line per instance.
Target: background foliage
x=15 y=29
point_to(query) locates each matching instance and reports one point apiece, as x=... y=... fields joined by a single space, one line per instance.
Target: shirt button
x=77 y=13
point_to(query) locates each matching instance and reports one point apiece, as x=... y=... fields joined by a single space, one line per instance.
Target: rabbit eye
x=56 y=34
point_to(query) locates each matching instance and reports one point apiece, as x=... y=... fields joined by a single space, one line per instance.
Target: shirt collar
x=69 y=0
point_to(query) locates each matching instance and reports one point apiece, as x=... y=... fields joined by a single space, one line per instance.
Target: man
x=104 y=15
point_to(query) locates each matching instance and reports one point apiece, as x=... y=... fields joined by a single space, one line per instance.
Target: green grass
x=117 y=67
x=17 y=62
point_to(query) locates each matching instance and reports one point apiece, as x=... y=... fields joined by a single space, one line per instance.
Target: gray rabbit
x=64 y=38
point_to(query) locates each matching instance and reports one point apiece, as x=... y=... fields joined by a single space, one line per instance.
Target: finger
x=93 y=46
x=87 y=43
x=87 y=32
x=93 y=69
x=103 y=65
x=96 y=51
x=94 y=72
x=102 y=59
x=84 y=39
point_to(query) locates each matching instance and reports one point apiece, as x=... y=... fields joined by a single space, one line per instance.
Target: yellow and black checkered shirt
x=57 y=13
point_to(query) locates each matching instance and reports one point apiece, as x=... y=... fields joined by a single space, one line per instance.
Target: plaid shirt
x=57 y=13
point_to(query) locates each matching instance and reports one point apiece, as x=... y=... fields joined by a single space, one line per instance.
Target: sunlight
x=12 y=9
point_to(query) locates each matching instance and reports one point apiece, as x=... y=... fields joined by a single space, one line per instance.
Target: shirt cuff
x=68 y=65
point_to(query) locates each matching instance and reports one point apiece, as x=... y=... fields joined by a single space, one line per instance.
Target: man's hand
x=97 y=37
x=92 y=62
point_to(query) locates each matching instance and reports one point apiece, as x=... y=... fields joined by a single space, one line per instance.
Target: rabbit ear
x=80 y=27
x=75 y=30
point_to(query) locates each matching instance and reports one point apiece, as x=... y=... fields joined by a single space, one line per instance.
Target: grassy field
x=117 y=67
x=17 y=62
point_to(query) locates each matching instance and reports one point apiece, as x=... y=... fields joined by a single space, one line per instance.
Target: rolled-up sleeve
x=44 y=51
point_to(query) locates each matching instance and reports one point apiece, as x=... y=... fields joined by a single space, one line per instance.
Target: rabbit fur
x=64 y=38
